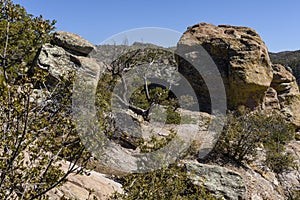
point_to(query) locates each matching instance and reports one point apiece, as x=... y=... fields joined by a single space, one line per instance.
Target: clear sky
x=277 y=21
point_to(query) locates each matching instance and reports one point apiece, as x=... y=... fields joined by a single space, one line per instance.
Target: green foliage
x=241 y=136
x=245 y=132
x=156 y=143
x=294 y=194
x=36 y=130
x=280 y=161
x=159 y=96
x=173 y=117
x=171 y=182
x=103 y=95
x=21 y=37
x=35 y=136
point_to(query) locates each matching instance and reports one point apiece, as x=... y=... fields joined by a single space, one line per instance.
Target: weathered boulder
x=59 y=62
x=219 y=180
x=240 y=55
x=283 y=94
x=283 y=81
x=56 y=61
x=73 y=43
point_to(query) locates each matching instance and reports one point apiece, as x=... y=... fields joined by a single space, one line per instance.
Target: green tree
x=21 y=37
x=36 y=131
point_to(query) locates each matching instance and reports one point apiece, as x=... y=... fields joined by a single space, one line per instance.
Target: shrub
x=34 y=136
x=241 y=136
x=171 y=182
x=279 y=161
x=245 y=132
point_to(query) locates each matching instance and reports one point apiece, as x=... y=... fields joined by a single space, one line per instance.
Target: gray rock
x=59 y=62
x=291 y=180
x=73 y=42
x=219 y=180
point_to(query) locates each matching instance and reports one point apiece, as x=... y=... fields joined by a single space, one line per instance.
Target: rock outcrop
x=241 y=57
x=222 y=182
x=254 y=181
x=66 y=53
x=290 y=60
x=73 y=43
x=287 y=93
x=283 y=94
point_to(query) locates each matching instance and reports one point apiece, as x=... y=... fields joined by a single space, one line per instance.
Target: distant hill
x=107 y=53
x=289 y=59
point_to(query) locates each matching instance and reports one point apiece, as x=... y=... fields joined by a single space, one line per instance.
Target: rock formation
x=81 y=186
x=73 y=43
x=67 y=52
x=241 y=57
x=283 y=94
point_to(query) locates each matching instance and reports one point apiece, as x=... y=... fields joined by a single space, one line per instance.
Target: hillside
x=212 y=118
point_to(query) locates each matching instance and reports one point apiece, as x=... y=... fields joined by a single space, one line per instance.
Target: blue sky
x=277 y=21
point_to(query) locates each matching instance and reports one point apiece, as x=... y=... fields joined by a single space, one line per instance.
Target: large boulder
x=66 y=53
x=241 y=57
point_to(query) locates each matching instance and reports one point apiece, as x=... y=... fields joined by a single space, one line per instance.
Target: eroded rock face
x=219 y=180
x=271 y=101
x=283 y=94
x=73 y=42
x=67 y=53
x=241 y=57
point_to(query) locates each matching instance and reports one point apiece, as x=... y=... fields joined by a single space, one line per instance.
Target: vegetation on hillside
x=246 y=132
x=36 y=130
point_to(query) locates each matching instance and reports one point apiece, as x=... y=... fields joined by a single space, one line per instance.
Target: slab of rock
x=240 y=55
x=84 y=187
x=73 y=42
x=219 y=180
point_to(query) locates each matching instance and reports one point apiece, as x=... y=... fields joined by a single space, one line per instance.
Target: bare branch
x=5 y=52
x=146 y=89
x=135 y=109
